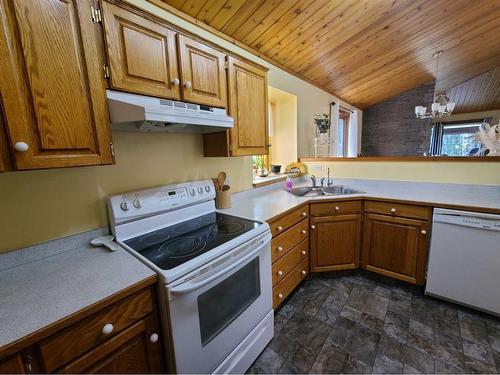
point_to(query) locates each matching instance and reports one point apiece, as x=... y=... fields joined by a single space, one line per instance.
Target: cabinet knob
x=304 y=214
x=280 y=228
x=280 y=248
x=188 y=84
x=154 y=338
x=313 y=226
x=423 y=231
x=107 y=329
x=176 y=81
x=303 y=272
x=337 y=208
x=21 y=146
x=280 y=296
x=280 y=273
x=303 y=252
x=303 y=231
x=393 y=210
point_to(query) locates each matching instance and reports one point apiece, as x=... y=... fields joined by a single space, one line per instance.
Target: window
x=455 y=139
x=343 y=133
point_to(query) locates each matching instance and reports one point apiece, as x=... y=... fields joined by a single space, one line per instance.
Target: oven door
x=215 y=307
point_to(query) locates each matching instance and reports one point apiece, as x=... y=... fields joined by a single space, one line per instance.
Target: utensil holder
x=223 y=199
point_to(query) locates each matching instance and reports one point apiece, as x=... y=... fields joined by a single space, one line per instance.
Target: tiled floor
x=362 y=323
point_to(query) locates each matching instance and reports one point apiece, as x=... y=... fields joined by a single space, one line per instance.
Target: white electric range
x=215 y=292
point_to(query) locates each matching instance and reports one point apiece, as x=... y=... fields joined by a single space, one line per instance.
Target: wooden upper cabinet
x=5 y=162
x=52 y=84
x=142 y=54
x=203 y=73
x=335 y=242
x=396 y=247
x=248 y=107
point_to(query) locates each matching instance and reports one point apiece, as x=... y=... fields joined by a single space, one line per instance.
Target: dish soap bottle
x=288 y=183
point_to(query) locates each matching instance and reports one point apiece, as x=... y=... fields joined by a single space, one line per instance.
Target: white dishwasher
x=464 y=260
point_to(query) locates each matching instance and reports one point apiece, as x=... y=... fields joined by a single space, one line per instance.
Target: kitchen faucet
x=328 y=182
x=313 y=180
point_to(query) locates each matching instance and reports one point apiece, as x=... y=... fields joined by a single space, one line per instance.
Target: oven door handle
x=193 y=286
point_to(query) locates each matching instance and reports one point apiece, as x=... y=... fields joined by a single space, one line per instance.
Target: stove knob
x=192 y=192
x=137 y=203
x=124 y=206
x=207 y=188
x=200 y=190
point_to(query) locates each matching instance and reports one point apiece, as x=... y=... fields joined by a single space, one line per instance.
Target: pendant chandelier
x=441 y=106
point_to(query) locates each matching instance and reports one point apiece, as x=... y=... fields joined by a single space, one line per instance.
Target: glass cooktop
x=171 y=246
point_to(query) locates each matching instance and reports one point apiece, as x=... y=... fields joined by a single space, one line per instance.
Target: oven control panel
x=128 y=206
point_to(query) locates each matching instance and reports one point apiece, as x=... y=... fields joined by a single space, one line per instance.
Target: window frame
x=346 y=116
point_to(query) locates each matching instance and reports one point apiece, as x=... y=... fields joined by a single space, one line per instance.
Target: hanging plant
x=322 y=122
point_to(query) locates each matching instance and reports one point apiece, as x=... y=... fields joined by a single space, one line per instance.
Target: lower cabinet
x=121 y=337
x=132 y=351
x=289 y=252
x=335 y=242
x=396 y=247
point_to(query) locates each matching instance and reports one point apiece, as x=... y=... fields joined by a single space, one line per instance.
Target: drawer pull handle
x=280 y=296
x=313 y=226
x=423 y=231
x=154 y=338
x=337 y=208
x=303 y=272
x=304 y=214
x=107 y=329
x=280 y=273
x=304 y=252
x=393 y=210
x=280 y=228
x=303 y=231
x=280 y=248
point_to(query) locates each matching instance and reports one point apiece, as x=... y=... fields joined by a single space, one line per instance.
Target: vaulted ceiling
x=364 y=51
x=481 y=93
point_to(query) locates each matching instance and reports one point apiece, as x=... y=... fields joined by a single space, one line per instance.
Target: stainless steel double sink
x=316 y=191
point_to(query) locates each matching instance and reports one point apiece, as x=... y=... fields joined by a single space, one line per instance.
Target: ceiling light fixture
x=441 y=106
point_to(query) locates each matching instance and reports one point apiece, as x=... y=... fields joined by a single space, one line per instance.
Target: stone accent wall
x=390 y=128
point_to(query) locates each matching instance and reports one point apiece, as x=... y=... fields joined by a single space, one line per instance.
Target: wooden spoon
x=221 y=177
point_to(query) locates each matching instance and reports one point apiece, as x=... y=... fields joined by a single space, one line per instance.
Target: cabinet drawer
x=286 y=263
x=335 y=208
x=286 y=241
x=288 y=284
x=398 y=209
x=282 y=224
x=77 y=339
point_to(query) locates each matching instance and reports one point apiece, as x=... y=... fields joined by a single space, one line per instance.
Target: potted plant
x=322 y=122
x=259 y=162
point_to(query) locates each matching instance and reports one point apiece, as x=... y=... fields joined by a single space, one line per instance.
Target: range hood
x=139 y=113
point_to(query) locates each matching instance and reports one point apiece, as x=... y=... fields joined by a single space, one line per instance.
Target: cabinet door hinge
x=226 y=64
x=112 y=148
x=106 y=71
x=96 y=15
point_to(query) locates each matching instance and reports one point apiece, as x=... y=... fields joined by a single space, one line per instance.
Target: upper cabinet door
x=142 y=54
x=52 y=86
x=203 y=73
x=248 y=107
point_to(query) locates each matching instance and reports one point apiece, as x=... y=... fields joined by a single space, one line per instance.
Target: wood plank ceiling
x=481 y=93
x=364 y=51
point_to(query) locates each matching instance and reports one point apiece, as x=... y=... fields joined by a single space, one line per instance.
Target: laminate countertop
x=270 y=201
x=42 y=291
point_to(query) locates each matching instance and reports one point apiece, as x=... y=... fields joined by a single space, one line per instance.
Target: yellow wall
x=284 y=127
x=445 y=172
